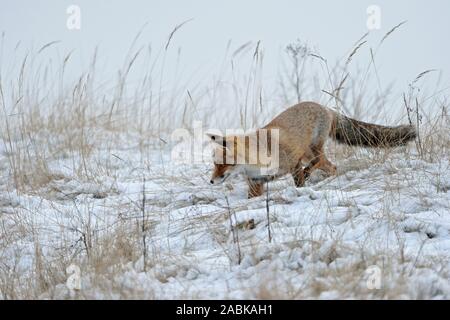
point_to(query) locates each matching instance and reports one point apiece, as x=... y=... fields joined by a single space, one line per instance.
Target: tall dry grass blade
x=391 y=31
x=48 y=45
x=318 y=57
x=241 y=48
x=349 y=59
x=175 y=30
x=362 y=38
x=422 y=74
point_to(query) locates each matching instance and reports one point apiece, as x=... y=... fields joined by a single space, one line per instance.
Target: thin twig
x=267 y=211
x=234 y=231
x=143 y=225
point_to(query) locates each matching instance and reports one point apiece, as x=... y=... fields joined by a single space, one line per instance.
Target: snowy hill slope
x=379 y=229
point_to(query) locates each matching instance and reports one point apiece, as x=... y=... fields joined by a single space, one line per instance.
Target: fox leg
x=255 y=188
x=319 y=161
x=323 y=164
x=327 y=166
x=311 y=167
x=299 y=174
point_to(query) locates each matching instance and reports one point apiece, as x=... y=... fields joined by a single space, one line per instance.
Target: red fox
x=302 y=132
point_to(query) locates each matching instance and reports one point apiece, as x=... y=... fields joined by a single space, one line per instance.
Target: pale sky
x=330 y=26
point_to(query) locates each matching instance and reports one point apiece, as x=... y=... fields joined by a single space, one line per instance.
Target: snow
x=392 y=214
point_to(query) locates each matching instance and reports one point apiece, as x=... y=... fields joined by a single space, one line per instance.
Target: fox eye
x=222 y=176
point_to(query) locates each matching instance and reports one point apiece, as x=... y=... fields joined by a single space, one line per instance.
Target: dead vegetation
x=71 y=151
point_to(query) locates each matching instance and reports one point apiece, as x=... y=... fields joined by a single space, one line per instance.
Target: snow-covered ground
x=154 y=229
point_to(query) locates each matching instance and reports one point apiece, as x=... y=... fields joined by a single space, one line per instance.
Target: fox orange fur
x=303 y=130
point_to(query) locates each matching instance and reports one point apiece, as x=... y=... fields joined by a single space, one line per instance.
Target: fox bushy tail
x=359 y=133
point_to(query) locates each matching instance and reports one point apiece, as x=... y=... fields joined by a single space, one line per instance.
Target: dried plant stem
x=234 y=231
x=267 y=212
x=144 y=244
x=419 y=139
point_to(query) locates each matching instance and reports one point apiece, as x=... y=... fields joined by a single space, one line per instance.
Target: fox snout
x=220 y=173
x=218 y=179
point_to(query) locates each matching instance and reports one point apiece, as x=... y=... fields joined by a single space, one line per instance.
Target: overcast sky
x=330 y=26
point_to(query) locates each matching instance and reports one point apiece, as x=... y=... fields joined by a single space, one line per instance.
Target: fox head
x=235 y=154
x=221 y=172
x=224 y=160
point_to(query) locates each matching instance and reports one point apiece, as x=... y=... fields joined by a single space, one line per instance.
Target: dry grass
x=80 y=132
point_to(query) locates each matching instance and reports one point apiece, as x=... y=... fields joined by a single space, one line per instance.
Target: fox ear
x=216 y=138
x=222 y=155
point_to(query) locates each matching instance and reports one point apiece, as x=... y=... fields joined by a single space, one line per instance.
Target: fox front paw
x=299 y=179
